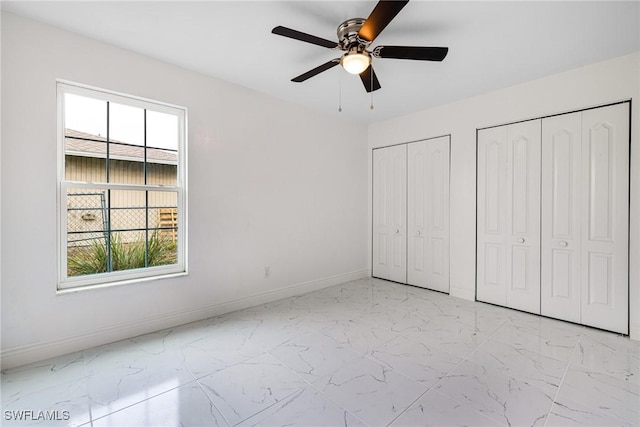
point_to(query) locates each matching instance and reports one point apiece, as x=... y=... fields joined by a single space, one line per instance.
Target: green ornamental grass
x=124 y=255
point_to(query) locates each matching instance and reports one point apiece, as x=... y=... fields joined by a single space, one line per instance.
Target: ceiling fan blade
x=298 y=35
x=369 y=79
x=316 y=71
x=380 y=17
x=418 y=53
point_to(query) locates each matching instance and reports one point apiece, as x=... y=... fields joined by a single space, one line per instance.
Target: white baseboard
x=17 y=356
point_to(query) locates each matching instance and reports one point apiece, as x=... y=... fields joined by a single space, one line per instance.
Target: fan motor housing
x=348 y=34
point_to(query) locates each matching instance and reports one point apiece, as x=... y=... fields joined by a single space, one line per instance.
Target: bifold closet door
x=508 y=195
x=605 y=217
x=562 y=213
x=428 y=214
x=585 y=217
x=390 y=213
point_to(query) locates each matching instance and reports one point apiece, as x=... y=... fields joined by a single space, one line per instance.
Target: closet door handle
x=418 y=232
x=520 y=240
x=564 y=244
x=397 y=231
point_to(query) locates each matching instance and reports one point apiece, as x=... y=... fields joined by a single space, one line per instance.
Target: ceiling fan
x=354 y=37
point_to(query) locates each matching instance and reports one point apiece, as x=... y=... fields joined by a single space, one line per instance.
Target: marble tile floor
x=367 y=352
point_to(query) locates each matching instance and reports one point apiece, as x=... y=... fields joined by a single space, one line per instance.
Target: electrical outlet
x=267 y=272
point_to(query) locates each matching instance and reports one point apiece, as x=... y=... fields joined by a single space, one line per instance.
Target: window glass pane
x=162 y=174
x=163 y=224
x=128 y=224
x=162 y=130
x=162 y=148
x=127 y=229
x=127 y=250
x=126 y=124
x=85 y=121
x=86 y=115
x=84 y=169
x=128 y=211
x=126 y=144
x=129 y=171
x=87 y=218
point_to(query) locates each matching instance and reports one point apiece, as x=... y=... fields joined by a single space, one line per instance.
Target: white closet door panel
x=416 y=207
x=605 y=217
x=389 y=213
x=438 y=214
x=561 y=217
x=523 y=216
x=491 y=216
x=381 y=227
x=428 y=207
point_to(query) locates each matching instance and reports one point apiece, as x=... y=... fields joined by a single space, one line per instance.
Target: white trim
x=29 y=353
x=119 y=97
x=122 y=158
x=117 y=186
x=168 y=275
x=118 y=278
x=131 y=276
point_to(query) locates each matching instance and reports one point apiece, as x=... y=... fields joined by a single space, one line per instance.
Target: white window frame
x=73 y=283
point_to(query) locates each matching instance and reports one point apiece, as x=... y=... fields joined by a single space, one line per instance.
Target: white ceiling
x=491 y=44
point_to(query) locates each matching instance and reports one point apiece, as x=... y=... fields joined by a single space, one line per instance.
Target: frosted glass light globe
x=355 y=63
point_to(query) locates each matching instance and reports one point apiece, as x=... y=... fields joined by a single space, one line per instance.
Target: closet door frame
x=373 y=206
x=626 y=101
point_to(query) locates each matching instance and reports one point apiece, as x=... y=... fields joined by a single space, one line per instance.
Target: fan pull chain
x=339 y=97
x=371 y=74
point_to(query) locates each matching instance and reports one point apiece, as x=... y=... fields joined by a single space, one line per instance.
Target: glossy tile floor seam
x=460 y=405
x=97 y=418
x=424 y=394
x=362 y=353
x=566 y=369
x=310 y=386
x=464 y=359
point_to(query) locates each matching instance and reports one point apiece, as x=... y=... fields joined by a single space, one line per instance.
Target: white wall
x=270 y=184
x=597 y=84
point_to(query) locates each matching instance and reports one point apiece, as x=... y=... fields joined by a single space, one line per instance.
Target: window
x=121 y=184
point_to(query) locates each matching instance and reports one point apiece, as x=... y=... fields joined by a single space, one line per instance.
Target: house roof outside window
x=87 y=145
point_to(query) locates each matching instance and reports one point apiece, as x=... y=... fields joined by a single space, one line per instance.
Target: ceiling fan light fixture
x=355 y=36
x=355 y=62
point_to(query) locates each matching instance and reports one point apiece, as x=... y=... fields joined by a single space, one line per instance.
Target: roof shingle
x=85 y=144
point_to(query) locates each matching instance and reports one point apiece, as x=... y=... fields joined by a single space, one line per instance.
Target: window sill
x=75 y=289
